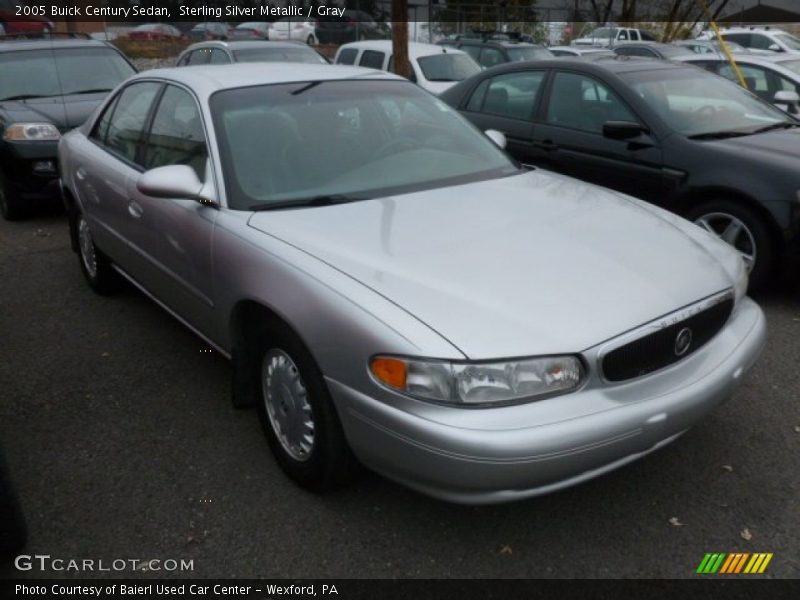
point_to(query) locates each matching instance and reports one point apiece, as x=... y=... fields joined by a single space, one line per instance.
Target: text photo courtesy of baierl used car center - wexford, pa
x=399 y=298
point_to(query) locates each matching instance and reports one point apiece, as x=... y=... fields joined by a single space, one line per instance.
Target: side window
x=100 y=131
x=184 y=60
x=623 y=35
x=372 y=59
x=347 y=56
x=583 y=103
x=218 y=57
x=740 y=38
x=490 y=57
x=476 y=100
x=176 y=136
x=126 y=125
x=513 y=95
x=199 y=57
x=760 y=41
x=623 y=51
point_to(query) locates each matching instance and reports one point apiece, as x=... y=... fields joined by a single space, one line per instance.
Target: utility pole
x=400 y=37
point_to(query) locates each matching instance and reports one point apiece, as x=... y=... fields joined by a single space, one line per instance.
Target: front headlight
x=37 y=132
x=472 y=383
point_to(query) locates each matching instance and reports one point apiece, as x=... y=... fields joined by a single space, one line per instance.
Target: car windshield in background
x=697 y=103
x=37 y=73
x=788 y=40
x=298 y=55
x=448 y=67
x=344 y=140
x=520 y=54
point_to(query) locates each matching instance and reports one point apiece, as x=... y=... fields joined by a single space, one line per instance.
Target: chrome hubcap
x=286 y=401
x=733 y=231
x=87 y=248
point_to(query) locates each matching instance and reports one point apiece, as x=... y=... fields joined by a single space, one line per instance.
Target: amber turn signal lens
x=391 y=371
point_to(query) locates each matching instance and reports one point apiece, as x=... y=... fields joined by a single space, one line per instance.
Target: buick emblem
x=683 y=341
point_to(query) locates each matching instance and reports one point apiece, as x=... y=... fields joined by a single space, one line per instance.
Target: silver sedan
x=393 y=290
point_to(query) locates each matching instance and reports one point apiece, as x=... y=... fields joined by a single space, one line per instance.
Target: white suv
x=760 y=38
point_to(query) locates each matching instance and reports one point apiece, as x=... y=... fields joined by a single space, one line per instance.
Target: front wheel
x=95 y=266
x=298 y=414
x=310 y=40
x=745 y=230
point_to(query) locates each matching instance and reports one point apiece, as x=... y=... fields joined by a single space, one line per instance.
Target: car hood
x=65 y=112
x=774 y=145
x=529 y=264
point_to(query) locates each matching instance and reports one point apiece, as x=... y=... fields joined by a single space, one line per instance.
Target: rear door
x=106 y=166
x=568 y=137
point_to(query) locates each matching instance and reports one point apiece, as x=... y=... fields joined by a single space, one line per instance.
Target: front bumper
x=27 y=182
x=491 y=455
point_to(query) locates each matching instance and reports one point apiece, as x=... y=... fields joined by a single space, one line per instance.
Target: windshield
x=448 y=67
x=298 y=55
x=528 y=53
x=33 y=73
x=694 y=102
x=351 y=139
x=788 y=40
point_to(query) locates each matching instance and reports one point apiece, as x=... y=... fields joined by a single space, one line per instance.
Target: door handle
x=135 y=210
x=547 y=145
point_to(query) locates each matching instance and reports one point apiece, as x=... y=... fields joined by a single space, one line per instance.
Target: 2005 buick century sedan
x=393 y=290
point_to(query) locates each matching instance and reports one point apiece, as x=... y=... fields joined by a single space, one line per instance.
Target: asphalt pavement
x=119 y=431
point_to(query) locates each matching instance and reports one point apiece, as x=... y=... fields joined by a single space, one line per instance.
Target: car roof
x=46 y=44
x=604 y=64
x=415 y=49
x=240 y=44
x=207 y=79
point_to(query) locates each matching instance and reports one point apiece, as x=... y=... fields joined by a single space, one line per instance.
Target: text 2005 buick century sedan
x=393 y=290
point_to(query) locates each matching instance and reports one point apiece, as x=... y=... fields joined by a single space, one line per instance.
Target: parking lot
x=119 y=430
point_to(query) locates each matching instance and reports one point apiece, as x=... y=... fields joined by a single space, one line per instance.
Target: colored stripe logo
x=734 y=563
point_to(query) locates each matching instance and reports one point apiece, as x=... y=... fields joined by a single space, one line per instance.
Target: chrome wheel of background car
x=86 y=248
x=286 y=402
x=734 y=231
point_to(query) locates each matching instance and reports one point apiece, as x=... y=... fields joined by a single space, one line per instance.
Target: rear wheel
x=310 y=40
x=298 y=415
x=745 y=230
x=95 y=266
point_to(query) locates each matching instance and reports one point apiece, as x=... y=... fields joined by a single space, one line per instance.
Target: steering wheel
x=395 y=145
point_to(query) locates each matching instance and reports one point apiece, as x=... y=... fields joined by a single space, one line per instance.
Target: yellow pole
x=724 y=45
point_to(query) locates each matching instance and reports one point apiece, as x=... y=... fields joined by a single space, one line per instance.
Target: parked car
x=775 y=78
x=251 y=31
x=11 y=22
x=354 y=25
x=760 y=38
x=667 y=132
x=491 y=52
x=223 y=53
x=155 y=32
x=611 y=36
x=435 y=68
x=580 y=51
x=210 y=30
x=294 y=28
x=712 y=47
x=47 y=87
x=473 y=330
x=652 y=50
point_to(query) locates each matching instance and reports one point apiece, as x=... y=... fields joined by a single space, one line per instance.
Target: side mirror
x=789 y=99
x=497 y=137
x=171 y=181
x=775 y=48
x=622 y=130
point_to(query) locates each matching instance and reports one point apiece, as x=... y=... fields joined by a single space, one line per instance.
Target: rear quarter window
x=347 y=56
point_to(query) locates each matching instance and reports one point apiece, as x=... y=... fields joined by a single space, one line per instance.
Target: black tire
x=13 y=530
x=10 y=207
x=102 y=278
x=756 y=237
x=310 y=40
x=329 y=463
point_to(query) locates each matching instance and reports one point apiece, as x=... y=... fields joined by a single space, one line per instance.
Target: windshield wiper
x=91 y=91
x=322 y=200
x=719 y=135
x=774 y=126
